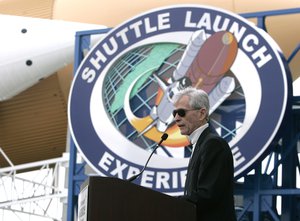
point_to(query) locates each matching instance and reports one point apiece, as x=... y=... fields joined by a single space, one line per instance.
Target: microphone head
x=164 y=136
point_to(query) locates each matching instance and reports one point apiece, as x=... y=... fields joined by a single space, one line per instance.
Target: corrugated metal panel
x=31 y=8
x=33 y=125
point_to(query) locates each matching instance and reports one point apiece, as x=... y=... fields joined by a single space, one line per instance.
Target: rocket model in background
x=203 y=65
x=33 y=49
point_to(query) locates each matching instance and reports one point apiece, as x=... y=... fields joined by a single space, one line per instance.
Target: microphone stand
x=163 y=138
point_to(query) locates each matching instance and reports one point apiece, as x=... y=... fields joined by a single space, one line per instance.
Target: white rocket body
x=32 y=49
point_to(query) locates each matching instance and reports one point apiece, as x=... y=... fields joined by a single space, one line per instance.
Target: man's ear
x=203 y=113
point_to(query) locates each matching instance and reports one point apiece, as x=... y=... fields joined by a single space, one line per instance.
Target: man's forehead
x=183 y=101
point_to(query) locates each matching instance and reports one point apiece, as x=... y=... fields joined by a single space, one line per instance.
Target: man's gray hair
x=198 y=98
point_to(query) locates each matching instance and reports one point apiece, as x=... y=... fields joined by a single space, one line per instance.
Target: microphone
x=163 y=138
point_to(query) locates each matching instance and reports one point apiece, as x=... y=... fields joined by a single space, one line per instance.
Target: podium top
x=115 y=199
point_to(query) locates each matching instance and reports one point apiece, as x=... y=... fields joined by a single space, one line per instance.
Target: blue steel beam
x=76 y=171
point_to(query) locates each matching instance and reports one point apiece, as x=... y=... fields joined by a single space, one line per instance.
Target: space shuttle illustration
x=203 y=65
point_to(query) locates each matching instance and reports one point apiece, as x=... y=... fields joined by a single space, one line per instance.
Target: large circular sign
x=120 y=100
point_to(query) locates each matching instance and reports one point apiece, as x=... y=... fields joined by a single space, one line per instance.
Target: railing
x=38 y=192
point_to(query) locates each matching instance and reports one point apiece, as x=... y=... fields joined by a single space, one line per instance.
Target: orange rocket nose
x=227 y=38
x=213 y=60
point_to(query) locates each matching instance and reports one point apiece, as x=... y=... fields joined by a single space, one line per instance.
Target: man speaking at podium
x=209 y=182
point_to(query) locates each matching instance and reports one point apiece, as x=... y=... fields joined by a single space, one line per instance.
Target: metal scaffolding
x=37 y=192
x=273 y=181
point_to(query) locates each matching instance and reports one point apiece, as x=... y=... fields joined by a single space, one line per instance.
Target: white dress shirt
x=195 y=136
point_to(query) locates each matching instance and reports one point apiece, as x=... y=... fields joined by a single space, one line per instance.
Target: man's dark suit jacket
x=209 y=181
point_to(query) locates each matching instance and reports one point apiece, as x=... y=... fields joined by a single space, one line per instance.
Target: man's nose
x=177 y=117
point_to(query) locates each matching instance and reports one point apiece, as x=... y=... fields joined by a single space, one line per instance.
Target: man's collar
x=196 y=134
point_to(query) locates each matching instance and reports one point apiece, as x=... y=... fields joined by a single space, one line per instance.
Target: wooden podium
x=112 y=199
